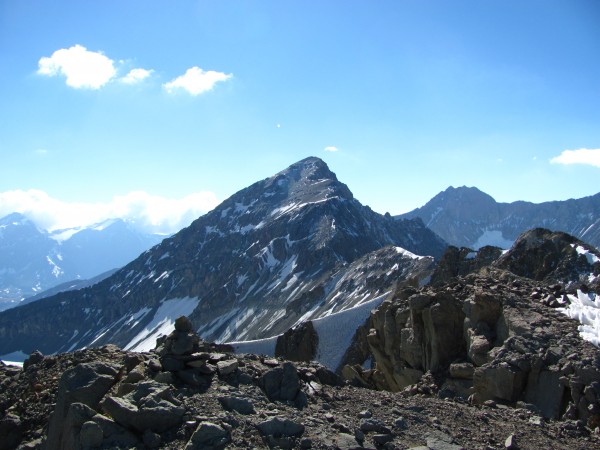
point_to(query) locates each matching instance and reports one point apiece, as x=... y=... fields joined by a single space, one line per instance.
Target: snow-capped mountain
x=33 y=260
x=293 y=247
x=467 y=217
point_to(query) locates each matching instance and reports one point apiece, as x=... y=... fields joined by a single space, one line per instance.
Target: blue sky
x=163 y=109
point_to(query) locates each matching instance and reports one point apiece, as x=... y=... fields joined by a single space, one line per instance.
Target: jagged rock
x=541 y=254
x=34 y=358
x=84 y=384
x=183 y=324
x=462 y=261
x=516 y=345
x=298 y=344
x=150 y=407
x=208 y=435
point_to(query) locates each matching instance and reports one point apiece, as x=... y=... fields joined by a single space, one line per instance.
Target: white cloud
x=590 y=157
x=331 y=148
x=150 y=213
x=136 y=75
x=82 y=68
x=196 y=81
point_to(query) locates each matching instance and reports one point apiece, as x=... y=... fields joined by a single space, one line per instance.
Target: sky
x=161 y=110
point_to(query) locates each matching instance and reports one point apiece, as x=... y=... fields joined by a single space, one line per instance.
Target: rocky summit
x=293 y=247
x=190 y=394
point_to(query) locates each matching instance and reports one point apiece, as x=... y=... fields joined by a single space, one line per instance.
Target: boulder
x=298 y=344
x=208 y=435
x=278 y=427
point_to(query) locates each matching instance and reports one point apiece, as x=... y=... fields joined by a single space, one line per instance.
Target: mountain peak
x=14 y=218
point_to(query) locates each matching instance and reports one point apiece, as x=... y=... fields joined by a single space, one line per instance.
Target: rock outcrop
x=494 y=336
x=298 y=344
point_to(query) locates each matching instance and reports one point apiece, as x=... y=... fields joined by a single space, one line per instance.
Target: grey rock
x=208 y=435
x=371 y=424
x=280 y=427
x=240 y=405
x=227 y=367
x=511 y=443
x=91 y=435
x=85 y=384
x=281 y=383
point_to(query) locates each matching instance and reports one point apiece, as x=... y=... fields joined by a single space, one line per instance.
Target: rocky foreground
x=194 y=395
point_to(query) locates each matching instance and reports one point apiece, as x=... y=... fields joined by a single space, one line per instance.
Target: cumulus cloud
x=82 y=68
x=136 y=75
x=196 y=81
x=587 y=156
x=149 y=213
x=331 y=148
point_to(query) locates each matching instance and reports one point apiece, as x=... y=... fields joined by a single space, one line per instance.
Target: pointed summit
x=290 y=248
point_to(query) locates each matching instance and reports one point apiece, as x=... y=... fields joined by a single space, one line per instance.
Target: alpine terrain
x=293 y=247
x=467 y=217
x=33 y=260
x=497 y=356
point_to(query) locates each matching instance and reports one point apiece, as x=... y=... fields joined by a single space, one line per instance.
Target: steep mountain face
x=467 y=217
x=292 y=247
x=33 y=260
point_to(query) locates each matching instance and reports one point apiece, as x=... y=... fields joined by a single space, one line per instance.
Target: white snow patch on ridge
x=162 y=323
x=591 y=258
x=492 y=237
x=586 y=309
x=405 y=252
x=14 y=358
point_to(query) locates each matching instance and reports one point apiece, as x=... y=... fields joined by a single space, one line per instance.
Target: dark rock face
x=256 y=265
x=298 y=344
x=467 y=217
x=463 y=261
x=544 y=255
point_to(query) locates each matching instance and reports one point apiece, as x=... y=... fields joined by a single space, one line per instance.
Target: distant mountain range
x=293 y=247
x=467 y=217
x=33 y=260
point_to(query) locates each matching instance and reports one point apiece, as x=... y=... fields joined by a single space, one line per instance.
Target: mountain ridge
x=468 y=217
x=33 y=260
x=250 y=268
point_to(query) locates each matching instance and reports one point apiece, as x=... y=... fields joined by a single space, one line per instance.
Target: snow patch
x=15 y=357
x=591 y=258
x=405 y=252
x=492 y=237
x=258 y=347
x=586 y=309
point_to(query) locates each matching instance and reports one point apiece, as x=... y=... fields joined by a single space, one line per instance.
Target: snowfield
x=335 y=334
x=162 y=324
